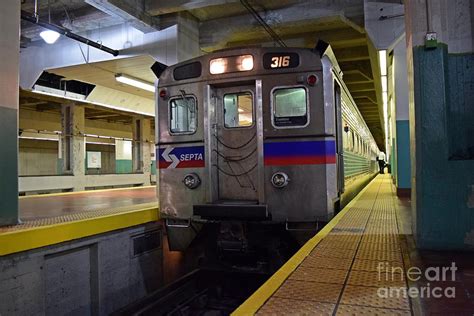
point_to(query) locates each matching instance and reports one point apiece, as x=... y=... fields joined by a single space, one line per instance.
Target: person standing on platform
x=381 y=160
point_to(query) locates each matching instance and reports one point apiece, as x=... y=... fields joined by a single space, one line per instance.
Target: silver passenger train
x=255 y=141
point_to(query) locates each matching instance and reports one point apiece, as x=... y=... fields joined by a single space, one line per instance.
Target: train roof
x=198 y=69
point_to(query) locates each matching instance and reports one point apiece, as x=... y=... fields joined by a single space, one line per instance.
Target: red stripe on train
x=183 y=164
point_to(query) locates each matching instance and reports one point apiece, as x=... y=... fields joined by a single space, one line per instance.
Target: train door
x=236 y=145
x=339 y=138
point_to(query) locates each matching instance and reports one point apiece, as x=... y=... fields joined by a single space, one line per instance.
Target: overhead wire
x=262 y=22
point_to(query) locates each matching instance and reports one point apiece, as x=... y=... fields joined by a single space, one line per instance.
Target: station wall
x=441 y=115
x=40 y=152
x=111 y=270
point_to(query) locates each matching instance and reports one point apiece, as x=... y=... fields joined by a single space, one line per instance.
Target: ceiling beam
x=355 y=78
x=362 y=67
x=306 y=16
x=155 y=7
x=130 y=11
x=352 y=54
x=357 y=87
x=343 y=37
x=370 y=95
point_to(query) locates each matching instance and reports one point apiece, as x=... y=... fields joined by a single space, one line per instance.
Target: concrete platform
x=54 y=218
x=365 y=262
x=85 y=253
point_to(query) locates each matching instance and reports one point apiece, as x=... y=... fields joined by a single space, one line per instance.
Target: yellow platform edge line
x=84 y=191
x=264 y=292
x=22 y=240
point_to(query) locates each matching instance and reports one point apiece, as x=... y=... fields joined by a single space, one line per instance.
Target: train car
x=258 y=142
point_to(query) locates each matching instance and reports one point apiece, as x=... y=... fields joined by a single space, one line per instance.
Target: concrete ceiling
x=52 y=104
x=103 y=73
x=227 y=23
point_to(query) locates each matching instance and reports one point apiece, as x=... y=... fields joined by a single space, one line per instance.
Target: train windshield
x=290 y=107
x=238 y=109
x=182 y=114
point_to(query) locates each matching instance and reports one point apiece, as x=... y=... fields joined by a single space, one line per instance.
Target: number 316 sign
x=280 y=60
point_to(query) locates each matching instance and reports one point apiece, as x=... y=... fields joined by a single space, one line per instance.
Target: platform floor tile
x=315 y=274
x=376 y=265
x=379 y=255
x=337 y=245
x=309 y=291
x=344 y=310
x=375 y=297
x=328 y=263
x=78 y=216
x=333 y=253
x=357 y=268
x=379 y=247
x=376 y=278
x=283 y=306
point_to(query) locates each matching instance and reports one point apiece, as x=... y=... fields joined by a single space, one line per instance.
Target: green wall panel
x=153 y=167
x=442 y=187
x=403 y=164
x=123 y=166
x=9 y=166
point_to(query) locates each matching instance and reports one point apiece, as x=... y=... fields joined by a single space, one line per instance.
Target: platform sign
x=94 y=160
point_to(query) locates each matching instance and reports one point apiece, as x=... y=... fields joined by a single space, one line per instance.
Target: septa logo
x=181 y=157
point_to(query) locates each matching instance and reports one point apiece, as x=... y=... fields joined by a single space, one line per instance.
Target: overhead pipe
x=64 y=31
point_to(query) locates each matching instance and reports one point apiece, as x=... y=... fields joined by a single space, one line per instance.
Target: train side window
x=182 y=115
x=290 y=107
x=238 y=109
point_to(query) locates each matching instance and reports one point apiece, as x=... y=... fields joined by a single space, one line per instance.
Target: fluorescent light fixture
x=49 y=36
x=101 y=143
x=384 y=84
x=383 y=62
x=135 y=82
x=39 y=138
x=384 y=98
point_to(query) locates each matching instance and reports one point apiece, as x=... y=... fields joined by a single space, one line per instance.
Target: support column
x=73 y=144
x=141 y=148
x=401 y=168
x=9 y=70
x=440 y=62
x=187 y=37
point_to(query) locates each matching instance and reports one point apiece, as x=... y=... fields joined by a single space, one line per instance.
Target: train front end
x=246 y=144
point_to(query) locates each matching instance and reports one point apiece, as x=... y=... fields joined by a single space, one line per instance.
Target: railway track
x=200 y=292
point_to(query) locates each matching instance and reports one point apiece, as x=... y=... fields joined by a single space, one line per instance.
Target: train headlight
x=245 y=63
x=191 y=181
x=218 y=66
x=280 y=180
